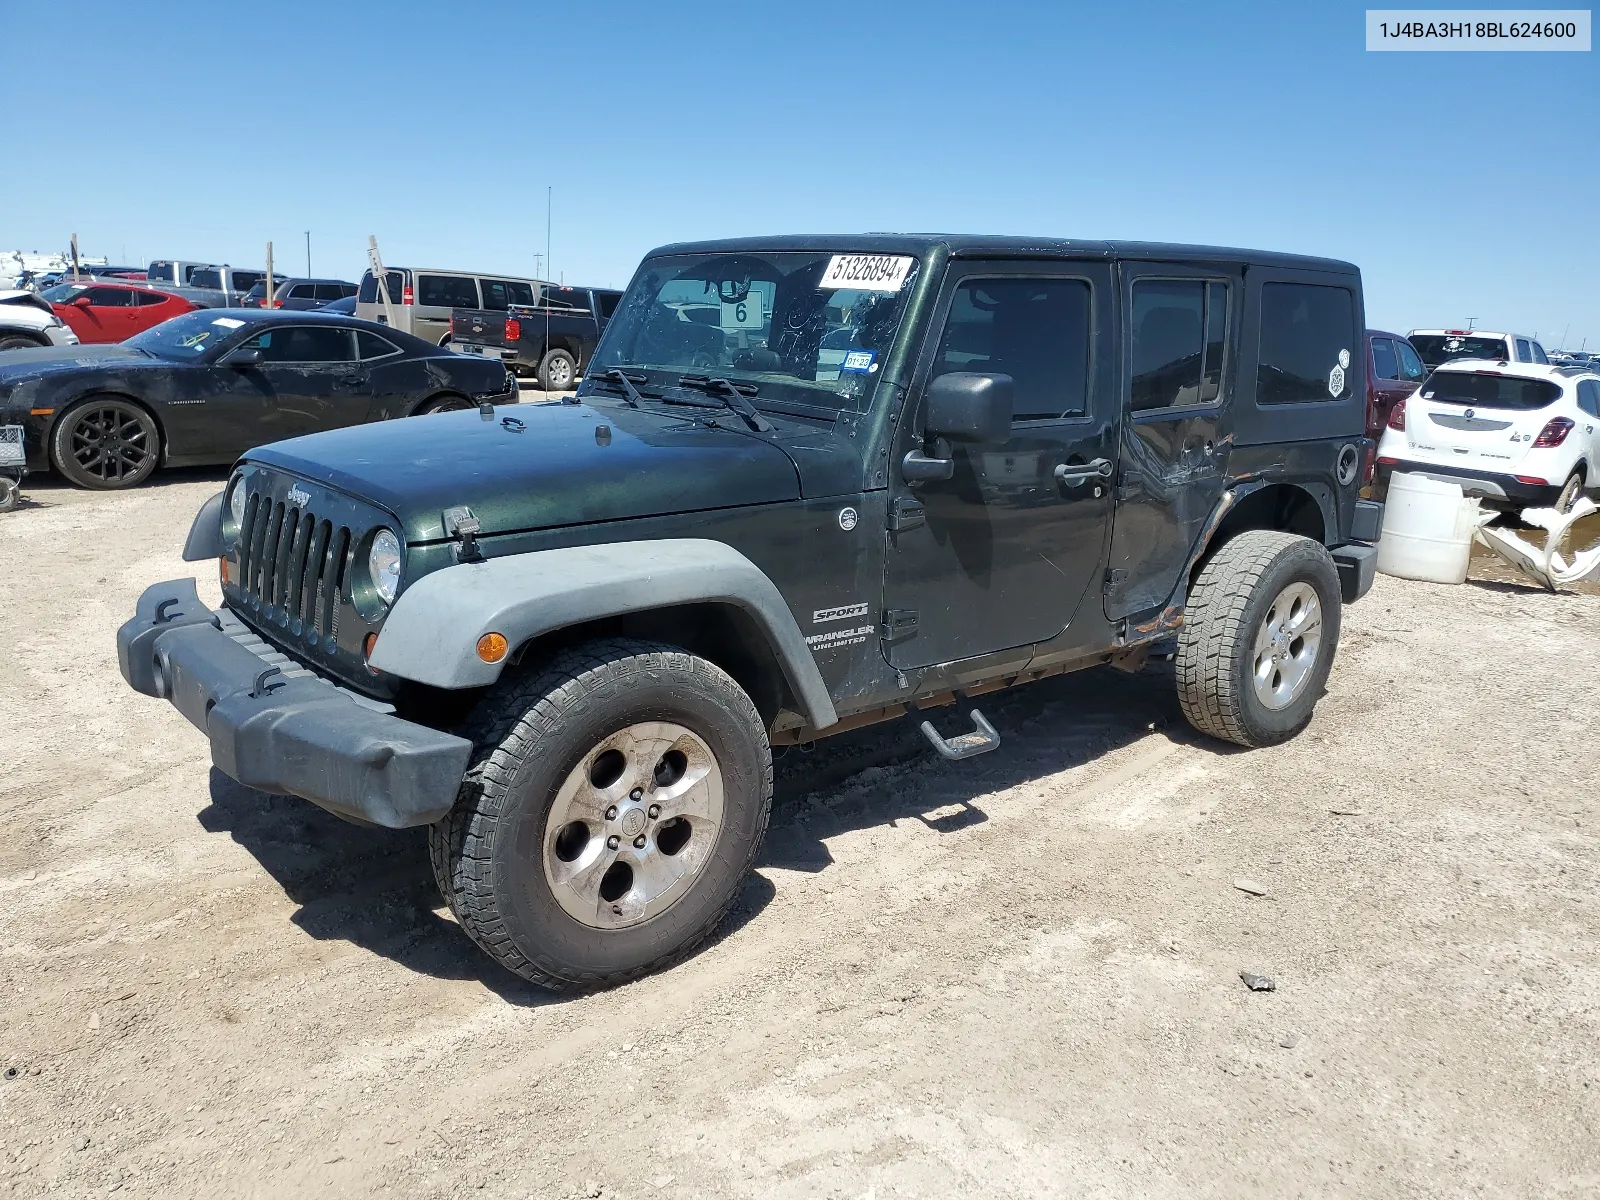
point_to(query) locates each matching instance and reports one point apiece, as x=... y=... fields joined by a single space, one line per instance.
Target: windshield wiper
x=625 y=381
x=733 y=396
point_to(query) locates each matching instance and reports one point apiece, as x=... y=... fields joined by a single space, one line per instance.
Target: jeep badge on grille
x=298 y=498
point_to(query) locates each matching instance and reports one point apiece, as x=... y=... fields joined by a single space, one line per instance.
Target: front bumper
x=276 y=726
x=61 y=335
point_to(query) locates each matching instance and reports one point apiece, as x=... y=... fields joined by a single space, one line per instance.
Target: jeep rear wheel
x=1260 y=632
x=616 y=800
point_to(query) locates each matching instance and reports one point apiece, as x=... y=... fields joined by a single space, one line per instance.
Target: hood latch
x=461 y=524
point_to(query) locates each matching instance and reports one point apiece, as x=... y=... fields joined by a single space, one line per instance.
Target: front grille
x=292 y=573
x=294 y=569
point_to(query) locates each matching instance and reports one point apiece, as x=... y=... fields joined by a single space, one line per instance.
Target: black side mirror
x=244 y=356
x=963 y=406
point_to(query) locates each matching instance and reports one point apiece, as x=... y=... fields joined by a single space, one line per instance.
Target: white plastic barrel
x=1427 y=530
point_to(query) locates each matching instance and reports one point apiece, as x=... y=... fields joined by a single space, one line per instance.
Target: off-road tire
x=129 y=415
x=1570 y=493
x=557 y=372
x=529 y=731
x=1225 y=611
x=17 y=341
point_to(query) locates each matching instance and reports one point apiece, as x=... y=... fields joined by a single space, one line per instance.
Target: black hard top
x=967 y=245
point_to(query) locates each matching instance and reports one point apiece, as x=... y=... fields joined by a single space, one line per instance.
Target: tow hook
x=981 y=740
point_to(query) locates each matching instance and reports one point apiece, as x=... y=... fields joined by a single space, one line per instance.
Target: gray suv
x=300 y=294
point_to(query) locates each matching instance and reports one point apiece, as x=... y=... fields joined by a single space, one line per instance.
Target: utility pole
x=308 y=253
x=76 y=275
x=1470 y=320
x=266 y=301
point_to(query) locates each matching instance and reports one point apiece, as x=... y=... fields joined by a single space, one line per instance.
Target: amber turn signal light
x=222 y=570
x=492 y=647
x=369 y=644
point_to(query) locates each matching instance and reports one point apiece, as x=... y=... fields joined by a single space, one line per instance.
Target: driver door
x=1002 y=554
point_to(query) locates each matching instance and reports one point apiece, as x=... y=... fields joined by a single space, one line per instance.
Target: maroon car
x=1394 y=371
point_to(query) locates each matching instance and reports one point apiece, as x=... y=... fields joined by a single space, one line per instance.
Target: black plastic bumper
x=293 y=736
x=1357 y=565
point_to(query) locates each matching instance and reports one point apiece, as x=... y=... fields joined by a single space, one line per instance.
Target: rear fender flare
x=431 y=634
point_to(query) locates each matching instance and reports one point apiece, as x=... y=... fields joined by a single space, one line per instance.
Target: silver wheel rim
x=1287 y=645
x=633 y=825
x=560 y=372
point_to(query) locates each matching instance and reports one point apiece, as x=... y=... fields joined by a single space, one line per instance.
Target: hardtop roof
x=964 y=245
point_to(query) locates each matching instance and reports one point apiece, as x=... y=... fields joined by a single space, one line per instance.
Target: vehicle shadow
x=374 y=887
x=849 y=782
x=46 y=489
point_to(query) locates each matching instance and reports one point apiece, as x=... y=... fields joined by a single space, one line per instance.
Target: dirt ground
x=1018 y=976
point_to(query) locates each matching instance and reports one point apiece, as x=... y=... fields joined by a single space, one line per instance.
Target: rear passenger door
x=1178 y=352
x=1389 y=384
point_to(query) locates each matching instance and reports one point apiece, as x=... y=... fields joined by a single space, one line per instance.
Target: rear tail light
x=277 y=304
x=1397 y=416
x=513 y=329
x=406 y=297
x=1554 y=433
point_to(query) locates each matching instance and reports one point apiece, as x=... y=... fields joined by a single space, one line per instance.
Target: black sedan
x=207 y=386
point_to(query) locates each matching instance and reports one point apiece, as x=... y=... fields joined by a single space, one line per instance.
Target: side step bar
x=981 y=740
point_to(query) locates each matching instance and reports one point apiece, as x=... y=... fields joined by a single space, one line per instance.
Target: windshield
x=62 y=293
x=1437 y=348
x=186 y=337
x=1490 y=391
x=809 y=328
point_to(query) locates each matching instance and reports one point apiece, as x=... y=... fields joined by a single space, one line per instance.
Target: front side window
x=1307 y=334
x=447 y=291
x=1411 y=368
x=303 y=291
x=1385 y=365
x=303 y=344
x=1524 y=351
x=1034 y=330
x=763 y=318
x=109 y=297
x=243 y=281
x=1539 y=356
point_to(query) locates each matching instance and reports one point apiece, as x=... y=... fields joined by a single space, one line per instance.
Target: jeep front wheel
x=1260 y=631
x=615 y=803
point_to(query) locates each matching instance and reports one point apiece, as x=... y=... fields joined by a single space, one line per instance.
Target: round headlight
x=236 y=504
x=383 y=565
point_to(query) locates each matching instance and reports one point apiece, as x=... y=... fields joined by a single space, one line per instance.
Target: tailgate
x=486 y=327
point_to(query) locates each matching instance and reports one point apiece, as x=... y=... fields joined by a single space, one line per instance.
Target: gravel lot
x=1014 y=977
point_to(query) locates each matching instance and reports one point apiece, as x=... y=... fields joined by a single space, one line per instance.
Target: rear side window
x=304 y=344
x=447 y=291
x=1524 y=351
x=305 y=291
x=1034 y=330
x=1483 y=390
x=205 y=277
x=148 y=298
x=1307 y=333
x=1411 y=368
x=368 y=292
x=243 y=281
x=1384 y=363
x=373 y=346
x=1589 y=397
x=328 y=291
x=501 y=294
x=1179 y=338
x=607 y=302
x=1539 y=356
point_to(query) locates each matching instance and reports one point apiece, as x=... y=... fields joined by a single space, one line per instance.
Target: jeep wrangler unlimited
x=810 y=483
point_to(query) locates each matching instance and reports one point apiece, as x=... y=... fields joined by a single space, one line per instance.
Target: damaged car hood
x=539 y=466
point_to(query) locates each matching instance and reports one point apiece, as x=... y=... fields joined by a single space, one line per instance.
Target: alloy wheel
x=111 y=442
x=1287 y=645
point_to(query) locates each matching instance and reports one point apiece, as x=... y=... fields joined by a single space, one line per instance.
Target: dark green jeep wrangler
x=809 y=483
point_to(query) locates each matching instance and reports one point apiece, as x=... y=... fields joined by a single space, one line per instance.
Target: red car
x=99 y=311
x=1394 y=371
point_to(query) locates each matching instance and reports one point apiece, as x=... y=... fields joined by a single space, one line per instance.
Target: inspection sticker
x=858 y=360
x=229 y=323
x=867 y=272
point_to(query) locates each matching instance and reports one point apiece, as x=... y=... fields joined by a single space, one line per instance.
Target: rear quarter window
x=1308 y=338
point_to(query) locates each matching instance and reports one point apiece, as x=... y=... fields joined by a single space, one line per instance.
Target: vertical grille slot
x=267 y=578
x=328 y=585
x=311 y=581
x=294 y=583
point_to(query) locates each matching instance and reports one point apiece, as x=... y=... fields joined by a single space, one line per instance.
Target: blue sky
x=202 y=130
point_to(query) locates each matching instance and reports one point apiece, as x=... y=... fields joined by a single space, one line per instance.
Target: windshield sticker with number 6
x=867 y=272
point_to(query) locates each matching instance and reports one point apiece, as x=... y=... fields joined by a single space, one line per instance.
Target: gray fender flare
x=432 y=633
x=205 y=535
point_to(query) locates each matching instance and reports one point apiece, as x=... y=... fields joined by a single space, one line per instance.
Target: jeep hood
x=537 y=466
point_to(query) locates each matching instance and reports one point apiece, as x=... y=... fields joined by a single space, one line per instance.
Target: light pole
x=308 y=254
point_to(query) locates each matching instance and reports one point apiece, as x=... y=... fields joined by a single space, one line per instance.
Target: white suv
x=27 y=320
x=1513 y=433
x=1438 y=346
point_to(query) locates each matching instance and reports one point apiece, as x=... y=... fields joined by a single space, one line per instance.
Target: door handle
x=353 y=380
x=1074 y=474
